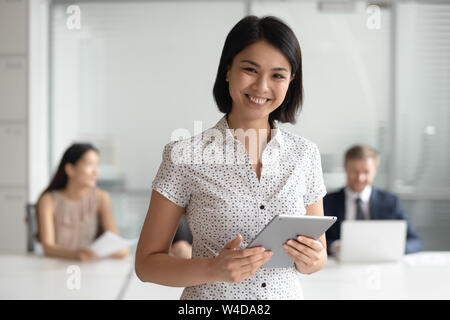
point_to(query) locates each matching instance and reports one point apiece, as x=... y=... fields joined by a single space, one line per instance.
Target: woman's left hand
x=120 y=254
x=308 y=254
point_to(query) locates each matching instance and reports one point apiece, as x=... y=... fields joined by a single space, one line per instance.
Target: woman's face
x=85 y=171
x=258 y=80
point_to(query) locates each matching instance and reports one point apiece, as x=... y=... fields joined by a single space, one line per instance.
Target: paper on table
x=109 y=243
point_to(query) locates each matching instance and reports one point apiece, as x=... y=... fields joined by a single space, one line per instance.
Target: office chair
x=32 y=226
x=31 y=221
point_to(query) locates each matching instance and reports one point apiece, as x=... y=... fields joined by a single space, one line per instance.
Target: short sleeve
x=315 y=187
x=172 y=179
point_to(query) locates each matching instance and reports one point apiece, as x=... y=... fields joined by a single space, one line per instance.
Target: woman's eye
x=278 y=76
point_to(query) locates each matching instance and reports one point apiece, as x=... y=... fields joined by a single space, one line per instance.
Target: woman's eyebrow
x=257 y=65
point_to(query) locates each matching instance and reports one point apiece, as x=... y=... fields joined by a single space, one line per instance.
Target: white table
x=423 y=275
x=38 y=277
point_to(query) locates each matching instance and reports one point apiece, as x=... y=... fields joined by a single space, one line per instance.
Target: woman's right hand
x=233 y=265
x=85 y=254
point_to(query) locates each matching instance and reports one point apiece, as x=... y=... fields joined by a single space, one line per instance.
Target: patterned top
x=211 y=176
x=76 y=221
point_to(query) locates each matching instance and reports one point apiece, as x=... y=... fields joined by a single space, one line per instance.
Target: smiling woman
x=266 y=65
x=226 y=204
x=258 y=84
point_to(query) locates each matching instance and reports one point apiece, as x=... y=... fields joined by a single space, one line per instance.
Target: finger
x=248 y=269
x=243 y=253
x=247 y=275
x=253 y=267
x=257 y=261
x=303 y=249
x=313 y=244
x=297 y=255
x=234 y=243
x=250 y=259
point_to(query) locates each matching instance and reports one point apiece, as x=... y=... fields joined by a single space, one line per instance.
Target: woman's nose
x=261 y=85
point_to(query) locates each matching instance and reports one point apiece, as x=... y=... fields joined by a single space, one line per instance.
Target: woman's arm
x=47 y=233
x=154 y=264
x=107 y=220
x=308 y=254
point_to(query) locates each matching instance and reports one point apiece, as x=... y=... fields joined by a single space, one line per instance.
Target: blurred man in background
x=359 y=200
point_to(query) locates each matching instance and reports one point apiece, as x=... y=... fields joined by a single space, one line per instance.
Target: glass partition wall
x=125 y=76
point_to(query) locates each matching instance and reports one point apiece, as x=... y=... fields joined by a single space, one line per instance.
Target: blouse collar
x=277 y=134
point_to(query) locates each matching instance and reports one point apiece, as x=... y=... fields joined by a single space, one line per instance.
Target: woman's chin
x=91 y=184
x=252 y=113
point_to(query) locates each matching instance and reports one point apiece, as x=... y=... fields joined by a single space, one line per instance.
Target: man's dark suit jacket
x=382 y=205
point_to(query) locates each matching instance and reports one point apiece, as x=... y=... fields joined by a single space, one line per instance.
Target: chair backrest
x=32 y=226
x=32 y=222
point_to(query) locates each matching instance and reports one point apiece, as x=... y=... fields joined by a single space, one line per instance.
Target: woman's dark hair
x=252 y=29
x=74 y=153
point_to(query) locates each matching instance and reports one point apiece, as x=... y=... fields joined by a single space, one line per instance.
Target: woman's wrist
x=76 y=254
x=59 y=252
x=211 y=270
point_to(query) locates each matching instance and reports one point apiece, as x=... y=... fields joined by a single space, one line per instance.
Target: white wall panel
x=13 y=26
x=12 y=214
x=132 y=74
x=13 y=87
x=14 y=155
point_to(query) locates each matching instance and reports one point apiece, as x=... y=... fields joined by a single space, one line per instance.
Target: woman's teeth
x=257 y=100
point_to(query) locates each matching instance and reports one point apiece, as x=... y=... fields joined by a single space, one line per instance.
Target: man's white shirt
x=350 y=208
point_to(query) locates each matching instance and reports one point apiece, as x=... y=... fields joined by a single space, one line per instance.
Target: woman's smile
x=257 y=101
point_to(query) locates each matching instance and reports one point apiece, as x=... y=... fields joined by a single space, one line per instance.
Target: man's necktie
x=359 y=210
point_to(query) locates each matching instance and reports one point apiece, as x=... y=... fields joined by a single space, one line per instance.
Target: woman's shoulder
x=45 y=200
x=203 y=138
x=183 y=151
x=193 y=140
x=47 y=195
x=101 y=194
x=298 y=142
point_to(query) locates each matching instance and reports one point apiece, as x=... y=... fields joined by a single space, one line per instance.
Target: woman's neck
x=254 y=134
x=74 y=191
x=236 y=122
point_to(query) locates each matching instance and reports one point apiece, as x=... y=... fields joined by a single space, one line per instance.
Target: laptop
x=372 y=240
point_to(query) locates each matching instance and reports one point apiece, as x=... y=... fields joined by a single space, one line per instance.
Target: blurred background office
x=125 y=75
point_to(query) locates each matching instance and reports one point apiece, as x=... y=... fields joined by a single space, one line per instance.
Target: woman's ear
x=226 y=76
x=69 y=169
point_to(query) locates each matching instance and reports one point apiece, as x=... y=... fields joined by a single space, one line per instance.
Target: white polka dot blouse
x=212 y=177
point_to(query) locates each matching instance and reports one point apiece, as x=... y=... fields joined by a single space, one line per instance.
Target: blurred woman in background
x=72 y=211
